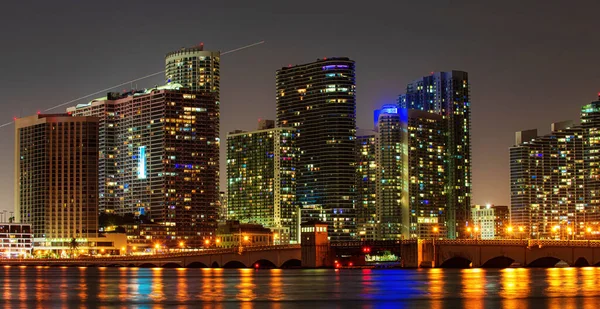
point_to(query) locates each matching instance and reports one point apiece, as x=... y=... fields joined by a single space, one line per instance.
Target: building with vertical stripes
x=56 y=176
x=318 y=100
x=261 y=179
x=164 y=144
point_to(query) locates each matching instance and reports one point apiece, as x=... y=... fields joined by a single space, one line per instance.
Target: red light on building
x=366 y=250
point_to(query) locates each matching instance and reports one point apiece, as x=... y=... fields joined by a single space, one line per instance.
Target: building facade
x=261 y=179
x=318 y=100
x=366 y=185
x=16 y=240
x=392 y=218
x=56 y=176
x=548 y=178
x=425 y=174
x=194 y=68
x=590 y=123
x=484 y=222
x=502 y=224
x=448 y=94
x=166 y=153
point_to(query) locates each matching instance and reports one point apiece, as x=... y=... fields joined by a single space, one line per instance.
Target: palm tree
x=73 y=246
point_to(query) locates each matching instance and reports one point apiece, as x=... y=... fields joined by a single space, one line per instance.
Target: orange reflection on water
x=435 y=278
x=562 y=282
x=515 y=283
x=590 y=281
x=102 y=284
x=212 y=285
x=7 y=293
x=23 y=285
x=246 y=285
x=158 y=293
x=275 y=285
x=63 y=287
x=123 y=284
x=473 y=287
x=182 y=286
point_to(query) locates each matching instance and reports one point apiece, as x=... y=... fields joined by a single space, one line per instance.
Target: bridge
x=462 y=253
x=414 y=253
x=281 y=256
x=504 y=253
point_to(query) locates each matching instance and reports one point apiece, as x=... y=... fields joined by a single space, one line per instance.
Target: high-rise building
x=447 y=94
x=56 y=176
x=425 y=173
x=164 y=143
x=590 y=123
x=411 y=177
x=222 y=206
x=194 y=68
x=392 y=217
x=548 y=176
x=366 y=184
x=318 y=100
x=261 y=179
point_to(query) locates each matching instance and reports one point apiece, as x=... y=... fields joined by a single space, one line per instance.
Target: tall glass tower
x=318 y=100
x=447 y=94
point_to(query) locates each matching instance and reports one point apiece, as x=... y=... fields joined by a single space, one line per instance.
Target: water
x=45 y=287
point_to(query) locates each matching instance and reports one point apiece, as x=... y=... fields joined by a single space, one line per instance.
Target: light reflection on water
x=44 y=287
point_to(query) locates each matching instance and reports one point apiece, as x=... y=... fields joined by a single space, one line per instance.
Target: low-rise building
x=235 y=234
x=16 y=240
x=484 y=223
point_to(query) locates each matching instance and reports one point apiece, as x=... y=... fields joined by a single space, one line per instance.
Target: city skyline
x=488 y=53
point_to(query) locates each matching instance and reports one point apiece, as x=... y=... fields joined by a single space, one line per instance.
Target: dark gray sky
x=530 y=62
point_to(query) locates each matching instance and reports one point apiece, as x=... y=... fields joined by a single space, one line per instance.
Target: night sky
x=530 y=63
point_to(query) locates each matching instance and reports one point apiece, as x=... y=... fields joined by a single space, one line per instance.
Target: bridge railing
x=168 y=255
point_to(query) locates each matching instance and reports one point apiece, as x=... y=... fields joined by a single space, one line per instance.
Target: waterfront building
x=165 y=146
x=447 y=94
x=390 y=213
x=56 y=176
x=318 y=100
x=261 y=178
x=484 y=222
x=590 y=123
x=547 y=176
x=233 y=234
x=366 y=184
x=16 y=240
x=502 y=222
x=411 y=177
x=194 y=68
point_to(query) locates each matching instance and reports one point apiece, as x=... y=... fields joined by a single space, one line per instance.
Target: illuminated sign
x=142 y=163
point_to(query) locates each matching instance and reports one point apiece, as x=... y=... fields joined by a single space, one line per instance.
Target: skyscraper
x=447 y=94
x=318 y=100
x=411 y=200
x=56 y=175
x=425 y=174
x=261 y=179
x=166 y=153
x=590 y=123
x=390 y=213
x=366 y=184
x=548 y=179
x=195 y=69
